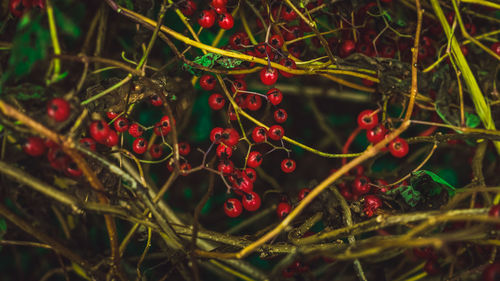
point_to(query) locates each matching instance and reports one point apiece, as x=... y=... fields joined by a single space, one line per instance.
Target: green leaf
x=26 y=91
x=472 y=120
x=66 y=24
x=387 y=15
x=409 y=194
x=3 y=227
x=436 y=189
x=229 y=62
x=30 y=44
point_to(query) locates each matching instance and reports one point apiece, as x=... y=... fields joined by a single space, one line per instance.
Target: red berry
x=188 y=7
x=259 y=134
x=184 y=148
x=365 y=49
x=226 y=166
x=221 y=10
x=140 y=145
x=280 y=115
x=207 y=82
x=121 y=124
x=207 y=18
x=372 y=203
x=347 y=48
x=163 y=127
x=216 y=134
x=287 y=63
x=367 y=119
x=233 y=207
x=219 y=3
x=156 y=151
x=112 y=139
x=73 y=170
x=361 y=185
x=238 y=84
x=495 y=47
x=99 y=131
x=253 y=102
x=251 y=174
x=388 y=52
x=288 y=13
x=293 y=32
x=111 y=115
x=398 y=147
x=275 y=132
x=288 y=165
x=135 y=130
x=58 y=109
x=276 y=41
x=155 y=100
x=224 y=151
x=18 y=7
x=283 y=210
x=34 y=146
x=274 y=96
x=376 y=134
x=88 y=143
x=251 y=201
x=241 y=183
x=57 y=159
x=254 y=159
x=226 y=21
x=492 y=272
x=238 y=40
x=184 y=167
x=303 y=193
x=369 y=35
x=230 y=137
x=268 y=76
x=232 y=114
x=216 y=101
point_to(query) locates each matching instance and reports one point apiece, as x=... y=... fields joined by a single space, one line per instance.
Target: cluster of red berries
x=19 y=7
x=375 y=132
x=217 y=12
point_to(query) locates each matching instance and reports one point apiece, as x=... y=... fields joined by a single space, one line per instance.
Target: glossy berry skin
x=238 y=40
x=230 y=137
x=188 y=7
x=226 y=21
x=275 y=132
x=268 y=76
x=34 y=146
x=140 y=145
x=239 y=84
x=240 y=182
x=303 y=193
x=492 y=272
x=280 y=115
x=233 y=207
x=254 y=159
x=253 y=102
x=155 y=100
x=72 y=170
x=19 y=7
x=287 y=63
x=121 y=124
x=259 y=134
x=251 y=174
x=231 y=114
x=275 y=96
x=398 y=147
x=156 y=151
x=111 y=115
x=207 y=82
x=99 y=131
x=58 y=109
x=207 y=18
x=367 y=119
x=184 y=148
x=57 y=159
x=135 y=130
x=288 y=14
x=372 y=203
x=112 y=139
x=216 y=101
x=288 y=165
x=219 y=3
x=251 y=201
x=361 y=185
x=376 y=134
x=225 y=166
x=283 y=210
x=495 y=47
x=89 y=143
x=224 y=151
x=163 y=127
x=276 y=41
x=216 y=134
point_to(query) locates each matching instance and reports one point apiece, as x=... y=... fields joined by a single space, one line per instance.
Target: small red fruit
x=111 y=115
x=367 y=119
x=156 y=151
x=274 y=96
x=238 y=40
x=251 y=201
x=283 y=210
x=495 y=47
x=224 y=151
x=184 y=148
x=226 y=21
x=89 y=143
x=347 y=48
x=259 y=134
x=233 y=207
x=268 y=76
x=303 y=193
x=121 y=124
x=216 y=134
x=361 y=185
x=254 y=159
x=112 y=139
x=207 y=18
x=376 y=134
x=288 y=165
x=398 y=147
x=99 y=131
x=188 y=7
x=286 y=62
x=216 y=101
x=219 y=3
x=275 y=132
x=207 y=82
x=163 y=127
x=58 y=109
x=140 y=145
x=253 y=102
x=276 y=41
x=251 y=174
x=225 y=166
x=372 y=203
x=135 y=130
x=72 y=170
x=34 y=146
x=230 y=137
x=280 y=115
